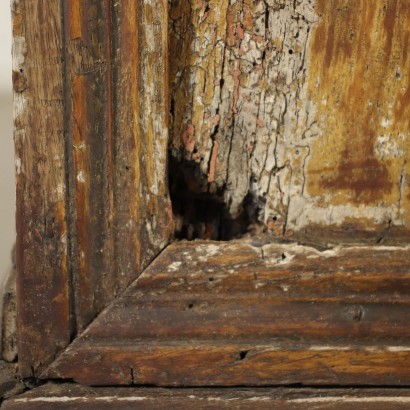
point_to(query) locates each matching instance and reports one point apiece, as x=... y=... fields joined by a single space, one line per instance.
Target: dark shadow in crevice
x=200 y=213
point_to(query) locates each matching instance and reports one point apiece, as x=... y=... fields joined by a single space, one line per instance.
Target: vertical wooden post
x=42 y=283
x=91 y=111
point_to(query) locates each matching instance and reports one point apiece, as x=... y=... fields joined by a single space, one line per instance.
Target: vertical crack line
x=109 y=80
x=132 y=379
x=69 y=167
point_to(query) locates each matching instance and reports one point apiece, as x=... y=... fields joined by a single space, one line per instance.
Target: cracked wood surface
x=296 y=111
x=91 y=141
x=70 y=396
x=237 y=313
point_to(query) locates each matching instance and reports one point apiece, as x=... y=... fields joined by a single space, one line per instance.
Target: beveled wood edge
x=83 y=360
x=65 y=396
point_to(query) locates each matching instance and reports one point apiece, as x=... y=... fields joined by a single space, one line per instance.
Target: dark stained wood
x=75 y=397
x=41 y=251
x=87 y=31
x=117 y=133
x=228 y=314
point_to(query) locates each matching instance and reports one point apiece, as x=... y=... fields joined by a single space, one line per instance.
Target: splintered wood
x=229 y=314
x=296 y=112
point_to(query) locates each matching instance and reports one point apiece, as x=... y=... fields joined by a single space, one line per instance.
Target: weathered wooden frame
x=86 y=128
x=91 y=124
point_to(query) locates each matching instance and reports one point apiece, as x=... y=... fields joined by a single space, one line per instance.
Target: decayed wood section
x=235 y=313
x=69 y=396
x=295 y=114
x=42 y=283
x=90 y=80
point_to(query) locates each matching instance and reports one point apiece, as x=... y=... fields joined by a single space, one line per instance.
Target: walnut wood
x=69 y=396
x=41 y=251
x=228 y=314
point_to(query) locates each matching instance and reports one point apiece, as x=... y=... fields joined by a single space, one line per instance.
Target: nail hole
x=243 y=354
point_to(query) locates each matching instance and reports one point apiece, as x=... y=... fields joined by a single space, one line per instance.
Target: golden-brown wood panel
x=359 y=80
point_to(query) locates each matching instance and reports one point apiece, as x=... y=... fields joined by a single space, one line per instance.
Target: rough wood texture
x=9 y=348
x=10 y=383
x=90 y=80
x=74 y=397
x=294 y=113
x=117 y=133
x=229 y=314
x=42 y=281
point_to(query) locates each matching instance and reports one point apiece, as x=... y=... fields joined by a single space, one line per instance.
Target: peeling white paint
x=19 y=51
x=256 y=399
x=206 y=251
x=81 y=177
x=302 y=214
x=387 y=147
x=60 y=190
x=174 y=266
x=349 y=399
x=18 y=166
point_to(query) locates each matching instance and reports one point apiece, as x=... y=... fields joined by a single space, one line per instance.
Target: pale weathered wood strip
x=70 y=396
x=42 y=281
x=143 y=216
x=207 y=313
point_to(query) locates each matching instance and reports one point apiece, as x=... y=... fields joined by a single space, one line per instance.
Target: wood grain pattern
x=117 y=119
x=69 y=396
x=88 y=101
x=143 y=215
x=42 y=281
x=228 y=314
x=91 y=141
